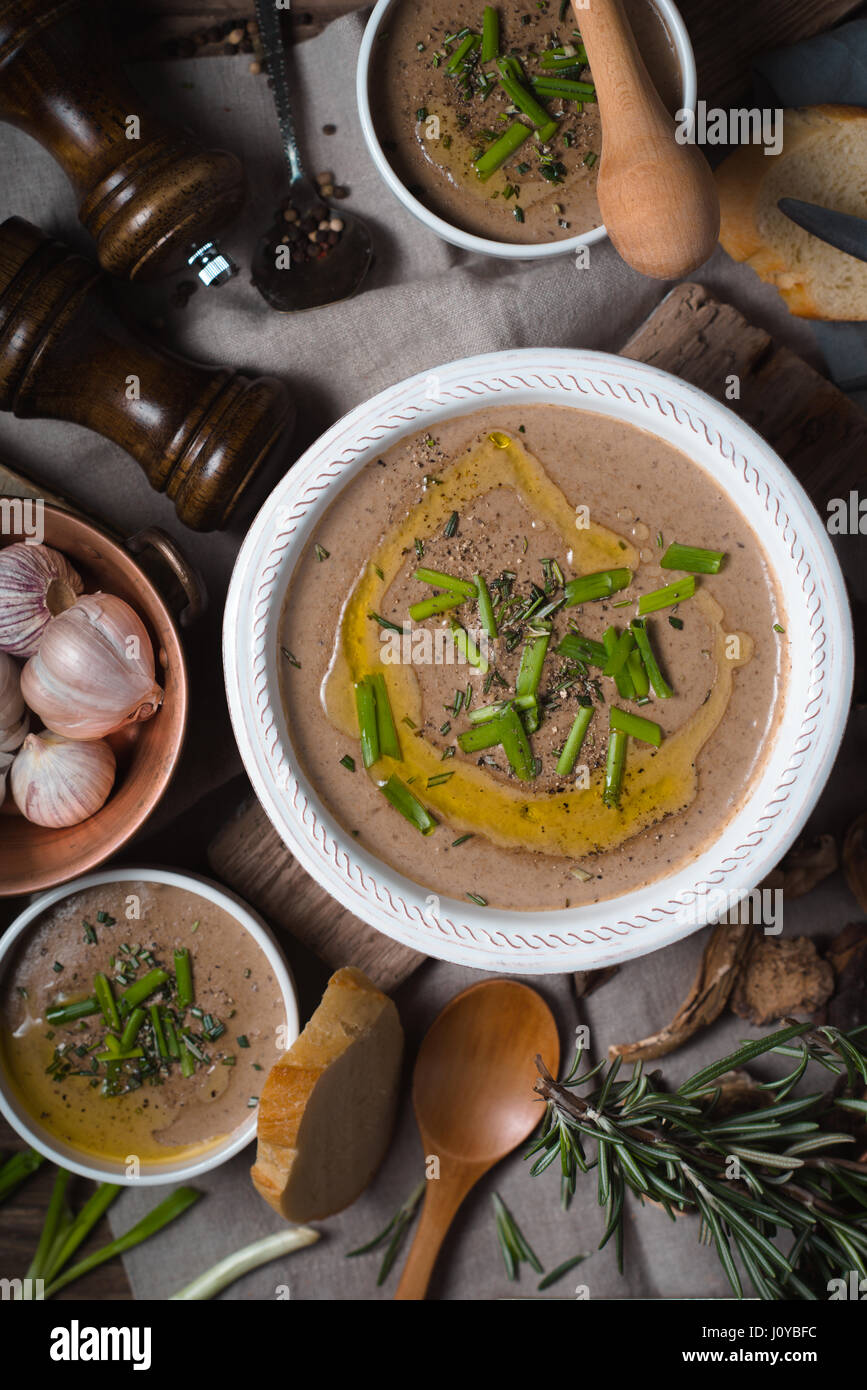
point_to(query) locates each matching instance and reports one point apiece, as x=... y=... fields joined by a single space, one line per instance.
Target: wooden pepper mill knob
x=151 y=196
x=199 y=433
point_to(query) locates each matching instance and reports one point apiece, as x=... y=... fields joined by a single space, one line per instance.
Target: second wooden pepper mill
x=200 y=433
x=150 y=195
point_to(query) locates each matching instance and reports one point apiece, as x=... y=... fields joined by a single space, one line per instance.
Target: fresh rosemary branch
x=394 y=1233
x=513 y=1244
x=763 y=1181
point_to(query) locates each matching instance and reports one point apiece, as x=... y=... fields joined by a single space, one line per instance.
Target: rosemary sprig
x=674 y=1149
x=394 y=1233
x=513 y=1244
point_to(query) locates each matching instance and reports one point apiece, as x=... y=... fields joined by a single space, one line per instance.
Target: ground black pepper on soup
x=139 y=1020
x=617 y=718
x=504 y=146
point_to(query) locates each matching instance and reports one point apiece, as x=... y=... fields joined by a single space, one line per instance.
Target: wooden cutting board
x=819 y=432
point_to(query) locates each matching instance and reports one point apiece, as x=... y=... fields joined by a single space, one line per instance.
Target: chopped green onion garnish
x=59 y=1014
x=132 y=1028
x=446 y=581
x=486 y=608
x=638 y=675
x=494 y=157
x=159 y=1035
x=572 y=746
x=602 y=584
x=614 y=765
x=490 y=34
x=579 y=648
x=516 y=745
x=693 y=558
x=451 y=527
x=138 y=993
x=526 y=102
x=387 y=733
x=348 y=762
x=560 y=86
x=430 y=607
x=634 y=724
x=398 y=795
x=467 y=647
x=476 y=898
x=184 y=978
x=677 y=592
x=532 y=661
x=619 y=653
x=103 y=991
x=486 y=735
x=463 y=50
x=657 y=680
x=365 y=705
x=622 y=679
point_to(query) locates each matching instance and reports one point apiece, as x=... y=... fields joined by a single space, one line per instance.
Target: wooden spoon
x=657 y=197
x=474 y=1100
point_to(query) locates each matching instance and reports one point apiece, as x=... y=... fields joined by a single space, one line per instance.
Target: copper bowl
x=33 y=858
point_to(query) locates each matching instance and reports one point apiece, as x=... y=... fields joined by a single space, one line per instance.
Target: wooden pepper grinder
x=199 y=433
x=150 y=195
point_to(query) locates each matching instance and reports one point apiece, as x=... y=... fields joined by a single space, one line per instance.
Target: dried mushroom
x=805 y=866
x=780 y=978
x=588 y=981
x=848 y=955
x=855 y=859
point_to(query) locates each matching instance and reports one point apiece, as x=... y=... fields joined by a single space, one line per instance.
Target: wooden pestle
x=149 y=194
x=200 y=433
x=657 y=197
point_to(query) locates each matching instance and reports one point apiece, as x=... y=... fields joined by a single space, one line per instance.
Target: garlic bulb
x=36 y=583
x=5 y=764
x=59 y=781
x=14 y=719
x=94 y=671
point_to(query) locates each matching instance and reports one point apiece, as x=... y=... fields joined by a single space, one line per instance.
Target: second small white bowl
x=154 y=1174
x=468 y=241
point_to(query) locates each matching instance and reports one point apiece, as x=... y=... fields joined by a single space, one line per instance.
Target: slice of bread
x=327 y=1108
x=823 y=160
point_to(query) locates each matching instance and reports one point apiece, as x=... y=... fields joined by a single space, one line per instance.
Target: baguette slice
x=327 y=1109
x=823 y=160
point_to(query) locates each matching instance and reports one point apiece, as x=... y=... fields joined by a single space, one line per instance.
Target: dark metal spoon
x=288 y=283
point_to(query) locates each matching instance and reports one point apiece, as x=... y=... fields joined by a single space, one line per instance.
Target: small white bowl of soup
x=426 y=127
x=539 y=470
x=140 y=1013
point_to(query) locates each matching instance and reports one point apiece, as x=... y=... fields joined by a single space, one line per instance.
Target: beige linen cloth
x=425 y=303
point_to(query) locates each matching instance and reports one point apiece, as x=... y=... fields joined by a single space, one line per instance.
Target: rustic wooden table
x=726 y=38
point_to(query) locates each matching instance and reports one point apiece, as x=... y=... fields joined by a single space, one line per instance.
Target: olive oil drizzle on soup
x=144 y=1107
x=544 y=494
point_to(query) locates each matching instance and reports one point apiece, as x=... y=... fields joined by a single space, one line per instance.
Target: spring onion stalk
x=385 y=726
x=517 y=747
x=501 y=150
x=55 y=1217
x=657 y=680
x=693 y=558
x=92 y=1211
x=59 y=1014
x=486 y=735
x=614 y=764
x=601 y=584
x=103 y=991
x=490 y=34
x=579 y=648
x=184 y=978
x=168 y=1210
x=365 y=708
x=131 y=1029
x=467 y=647
x=674 y=593
x=572 y=746
x=532 y=661
x=171 y=1038
x=159 y=1035
x=188 y=1061
x=398 y=795
x=556 y=58
x=483 y=714
x=17 y=1169
x=622 y=679
x=486 y=608
x=261 y=1252
x=137 y=993
x=564 y=87
x=430 y=607
x=463 y=50
x=634 y=724
x=525 y=101
x=619 y=653
x=446 y=581
x=638 y=675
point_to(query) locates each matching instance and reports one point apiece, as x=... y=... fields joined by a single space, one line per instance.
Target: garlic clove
x=94 y=671
x=36 y=584
x=10 y=739
x=5 y=764
x=59 y=782
x=11 y=699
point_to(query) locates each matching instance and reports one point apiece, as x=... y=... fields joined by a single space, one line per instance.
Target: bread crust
x=352 y=1011
x=740 y=180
